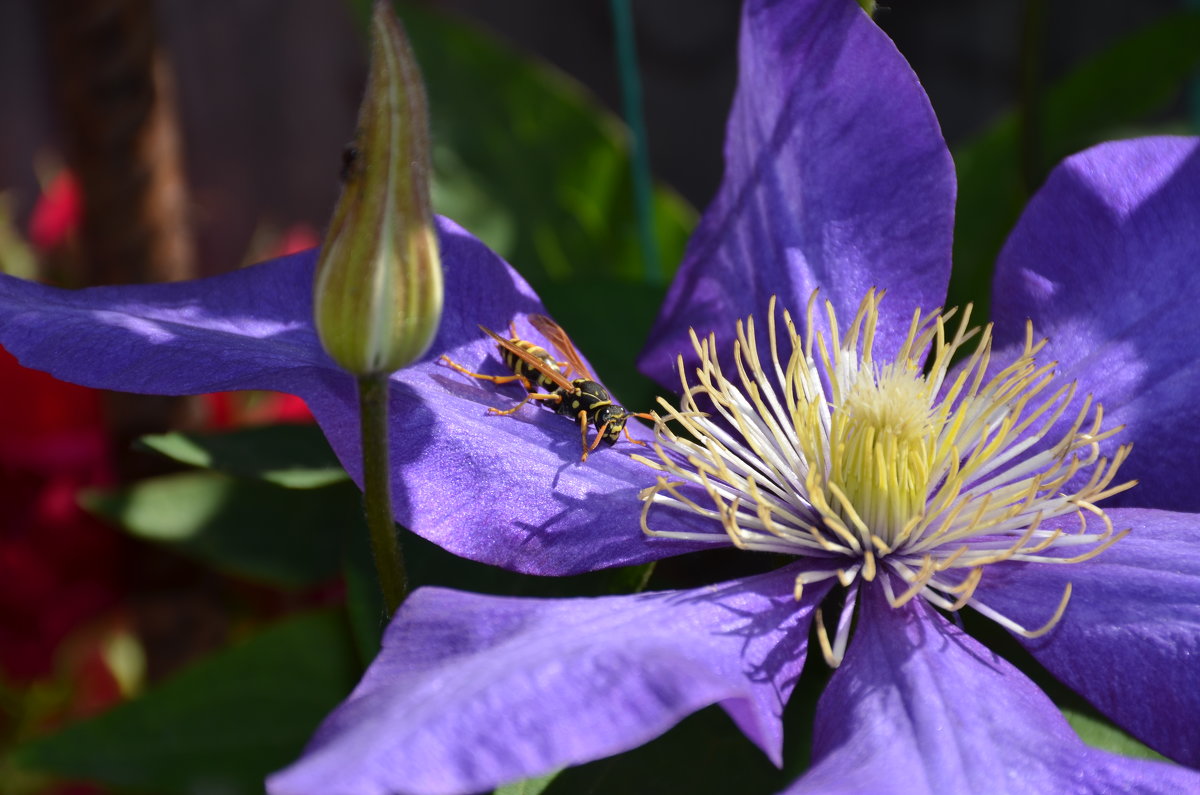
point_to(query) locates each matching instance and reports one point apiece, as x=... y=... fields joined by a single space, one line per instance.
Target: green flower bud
x=378 y=295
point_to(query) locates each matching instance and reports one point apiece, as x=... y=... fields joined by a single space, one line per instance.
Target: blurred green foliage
x=16 y=256
x=1106 y=97
x=293 y=456
x=552 y=194
x=241 y=527
x=220 y=726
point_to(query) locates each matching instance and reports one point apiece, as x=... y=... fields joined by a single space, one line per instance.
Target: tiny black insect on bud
x=351 y=162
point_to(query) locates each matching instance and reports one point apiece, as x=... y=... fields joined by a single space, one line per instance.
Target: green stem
x=385 y=547
x=631 y=104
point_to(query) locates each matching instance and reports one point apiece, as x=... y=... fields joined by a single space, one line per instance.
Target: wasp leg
x=528 y=397
x=495 y=379
x=583 y=423
x=589 y=449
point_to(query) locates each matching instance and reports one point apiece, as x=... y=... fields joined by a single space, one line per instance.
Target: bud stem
x=385 y=546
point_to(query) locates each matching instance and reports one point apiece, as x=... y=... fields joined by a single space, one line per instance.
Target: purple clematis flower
x=837 y=178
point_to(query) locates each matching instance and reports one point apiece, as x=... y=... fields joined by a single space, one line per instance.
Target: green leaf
x=1097 y=101
x=295 y=456
x=248 y=528
x=218 y=726
x=530 y=786
x=528 y=160
x=1099 y=733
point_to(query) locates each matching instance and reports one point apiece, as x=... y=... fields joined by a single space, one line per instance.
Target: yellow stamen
x=912 y=469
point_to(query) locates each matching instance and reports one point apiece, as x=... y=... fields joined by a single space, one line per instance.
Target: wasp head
x=614 y=417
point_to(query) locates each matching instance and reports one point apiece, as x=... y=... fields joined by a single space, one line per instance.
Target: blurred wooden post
x=117 y=112
x=116 y=103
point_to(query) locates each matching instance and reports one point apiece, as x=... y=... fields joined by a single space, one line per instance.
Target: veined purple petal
x=471 y=691
x=836 y=176
x=1104 y=260
x=503 y=490
x=1130 y=638
x=918 y=706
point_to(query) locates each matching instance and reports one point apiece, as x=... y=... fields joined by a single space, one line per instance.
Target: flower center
x=923 y=469
x=882 y=447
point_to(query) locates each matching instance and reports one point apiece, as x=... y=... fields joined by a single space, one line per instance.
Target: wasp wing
x=555 y=335
x=534 y=362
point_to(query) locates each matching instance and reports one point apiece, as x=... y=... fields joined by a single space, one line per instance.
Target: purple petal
x=250 y=329
x=503 y=490
x=471 y=691
x=919 y=706
x=1130 y=638
x=1104 y=260
x=836 y=176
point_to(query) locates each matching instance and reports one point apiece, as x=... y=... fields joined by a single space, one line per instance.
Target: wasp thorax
x=907 y=466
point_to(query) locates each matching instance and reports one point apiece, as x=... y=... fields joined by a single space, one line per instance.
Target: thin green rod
x=631 y=104
x=377 y=494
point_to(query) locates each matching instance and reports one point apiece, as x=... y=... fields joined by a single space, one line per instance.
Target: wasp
x=547 y=379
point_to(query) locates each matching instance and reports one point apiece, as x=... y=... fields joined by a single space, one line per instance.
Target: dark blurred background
x=266 y=89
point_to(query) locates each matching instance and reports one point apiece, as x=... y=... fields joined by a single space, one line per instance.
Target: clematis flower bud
x=378 y=293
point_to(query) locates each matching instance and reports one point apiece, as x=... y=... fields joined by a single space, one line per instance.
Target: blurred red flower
x=61 y=566
x=57 y=213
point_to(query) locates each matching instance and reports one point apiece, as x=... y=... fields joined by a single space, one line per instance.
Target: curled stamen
x=1013 y=626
